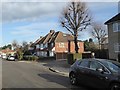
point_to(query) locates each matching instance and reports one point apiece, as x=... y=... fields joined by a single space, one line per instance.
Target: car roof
x=100 y=60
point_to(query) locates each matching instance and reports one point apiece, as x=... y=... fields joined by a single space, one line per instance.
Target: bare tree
x=15 y=44
x=75 y=18
x=24 y=46
x=99 y=32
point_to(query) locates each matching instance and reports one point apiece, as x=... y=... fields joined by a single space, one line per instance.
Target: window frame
x=116 y=27
x=61 y=45
x=107 y=72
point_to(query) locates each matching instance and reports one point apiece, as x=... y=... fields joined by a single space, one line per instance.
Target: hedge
x=71 y=58
x=30 y=57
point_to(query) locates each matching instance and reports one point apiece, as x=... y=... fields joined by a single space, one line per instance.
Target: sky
x=27 y=20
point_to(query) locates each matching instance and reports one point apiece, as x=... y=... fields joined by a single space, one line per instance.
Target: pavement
x=57 y=66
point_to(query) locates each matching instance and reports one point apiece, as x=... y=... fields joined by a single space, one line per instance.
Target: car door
x=83 y=71
x=97 y=78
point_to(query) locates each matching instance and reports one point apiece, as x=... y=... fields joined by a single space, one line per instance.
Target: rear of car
x=4 y=56
x=11 y=58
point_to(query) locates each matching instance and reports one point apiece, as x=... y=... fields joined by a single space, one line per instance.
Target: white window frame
x=41 y=46
x=37 y=46
x=61 y=45
x=117 y=47
x=116 y=27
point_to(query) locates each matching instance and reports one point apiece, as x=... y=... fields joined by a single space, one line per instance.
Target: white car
x=11 y=58
x=4 y=56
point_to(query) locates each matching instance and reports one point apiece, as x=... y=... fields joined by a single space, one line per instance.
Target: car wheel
x=115 y=86
x=73 y=79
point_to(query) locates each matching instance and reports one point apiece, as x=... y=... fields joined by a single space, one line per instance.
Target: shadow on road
x=61 y=80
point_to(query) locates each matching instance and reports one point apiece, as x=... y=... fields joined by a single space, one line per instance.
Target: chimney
x=41 y=37
x=52 y=31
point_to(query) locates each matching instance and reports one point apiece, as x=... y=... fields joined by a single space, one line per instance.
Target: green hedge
x=71 y=58
x=46 y=58
x=30 y=57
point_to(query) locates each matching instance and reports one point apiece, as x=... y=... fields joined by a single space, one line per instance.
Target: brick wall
x=63 y=47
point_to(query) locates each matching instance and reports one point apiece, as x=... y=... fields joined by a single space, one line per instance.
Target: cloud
x=59 y=0
x=22 y=11
x=34 y=10
x=34 y=29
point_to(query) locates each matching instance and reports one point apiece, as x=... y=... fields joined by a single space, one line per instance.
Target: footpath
x=58 y=66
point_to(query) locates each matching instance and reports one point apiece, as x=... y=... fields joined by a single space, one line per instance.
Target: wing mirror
x=100 y=70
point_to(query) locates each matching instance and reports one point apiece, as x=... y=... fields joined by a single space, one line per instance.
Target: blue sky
x=27 y=21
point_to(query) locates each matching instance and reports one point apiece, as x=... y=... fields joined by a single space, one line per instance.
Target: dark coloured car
x=97 y=73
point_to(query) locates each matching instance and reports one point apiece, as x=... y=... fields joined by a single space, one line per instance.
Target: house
x=113 y=25
x=56 y=44
x=7 y=52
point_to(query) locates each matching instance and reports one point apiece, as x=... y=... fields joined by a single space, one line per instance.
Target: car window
x=84 y=64
x=95 y=65
x=113 y=66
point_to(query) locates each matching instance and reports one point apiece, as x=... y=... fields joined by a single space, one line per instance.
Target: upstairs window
x=61 y=45
x=37 y=46
x=116 y=27
x=41 y=46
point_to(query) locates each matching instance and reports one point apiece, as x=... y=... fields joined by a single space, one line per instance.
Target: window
x=117 y=47
x=45 y=45
x=64 y=35
x=52 y=44
x=84 y=64
x=37 y=46
x=113 y=66
x=51 y=53
x=116 y=27
x=41 y=46
x=61 y=45
x=95 y=65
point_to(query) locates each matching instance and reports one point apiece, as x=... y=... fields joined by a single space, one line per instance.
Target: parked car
x=97 y=73
x=4 y=56
x=12 y=58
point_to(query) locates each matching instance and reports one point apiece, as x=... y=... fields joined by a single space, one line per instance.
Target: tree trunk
x=76 y=45
x=99 y=44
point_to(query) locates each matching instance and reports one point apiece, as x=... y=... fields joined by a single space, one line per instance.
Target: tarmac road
x=32 y=75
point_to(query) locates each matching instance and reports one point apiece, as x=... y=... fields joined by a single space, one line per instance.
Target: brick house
x=56 y=44
x=113 y=25
x=7 y=51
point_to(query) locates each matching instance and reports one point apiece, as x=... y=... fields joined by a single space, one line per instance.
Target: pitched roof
x=7 y=50
x=115 y=18
x=63 y=37
x=53 y=36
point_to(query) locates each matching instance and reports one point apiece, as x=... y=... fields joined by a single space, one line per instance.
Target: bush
x=86 y=55
x=30 y=57
x=71 y=58
x=46 y=58
x=103 y=54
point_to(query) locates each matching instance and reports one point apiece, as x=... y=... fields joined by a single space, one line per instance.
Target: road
x=32 y=75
